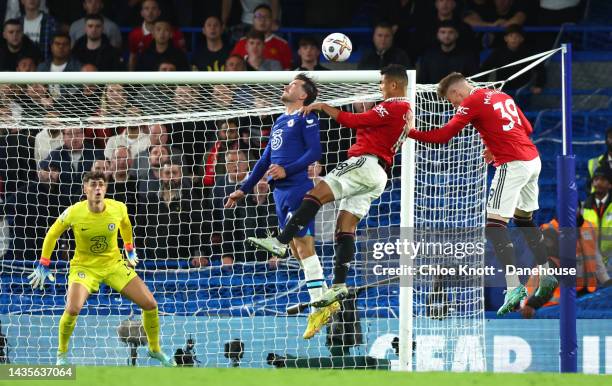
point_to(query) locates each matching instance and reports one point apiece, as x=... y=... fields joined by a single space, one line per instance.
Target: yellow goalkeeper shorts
x=116 y=276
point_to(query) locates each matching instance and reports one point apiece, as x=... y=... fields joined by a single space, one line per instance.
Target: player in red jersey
x=514 y=190
x=355 y=182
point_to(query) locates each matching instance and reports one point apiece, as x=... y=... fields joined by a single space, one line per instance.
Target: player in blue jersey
x=294 y=144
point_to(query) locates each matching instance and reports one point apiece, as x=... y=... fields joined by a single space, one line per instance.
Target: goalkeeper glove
x=130 y=254
x=41 y=273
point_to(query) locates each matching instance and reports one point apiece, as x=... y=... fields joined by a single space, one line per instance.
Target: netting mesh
x=173 y=153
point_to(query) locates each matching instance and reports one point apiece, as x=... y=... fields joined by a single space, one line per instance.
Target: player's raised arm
x=441 y=135
x=255 y=175
x=372 y=118
x=125 y=228
x=42 y=272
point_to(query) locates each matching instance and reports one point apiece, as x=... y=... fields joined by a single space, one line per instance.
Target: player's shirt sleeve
x=525 y=122
x=125 y=226
x=259 y=170
x=465 y=114
x=312 y=138
x=372 y=118
x=60 y=225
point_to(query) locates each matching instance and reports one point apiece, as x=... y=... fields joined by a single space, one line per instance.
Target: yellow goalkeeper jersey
x=95 y=234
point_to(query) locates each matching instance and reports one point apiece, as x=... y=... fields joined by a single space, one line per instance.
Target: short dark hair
x=256 y=35
x=448 y=24
x=514 y=29
x=262 y=6
x=94 y=16
x=90 y=176
x=310 y=88
x=395 y=71
x=60 y=35
x=214 y=16
x=604 y=173
x=12 y=22
x=448 y=81
x=308 y=41
x=383 y=24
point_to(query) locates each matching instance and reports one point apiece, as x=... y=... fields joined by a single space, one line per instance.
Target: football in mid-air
x=337 y=47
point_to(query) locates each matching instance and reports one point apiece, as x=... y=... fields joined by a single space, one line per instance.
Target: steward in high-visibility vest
x=597 y=209
x=589 y=267
x=603 y=161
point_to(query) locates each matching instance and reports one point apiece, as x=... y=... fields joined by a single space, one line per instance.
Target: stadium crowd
x=175 y=177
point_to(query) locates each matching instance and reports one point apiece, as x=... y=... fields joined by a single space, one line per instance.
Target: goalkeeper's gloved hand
x=41 y=273
x=130 y=254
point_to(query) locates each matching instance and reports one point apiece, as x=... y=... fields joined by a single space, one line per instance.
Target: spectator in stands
x=134 y=138
x=95 y=48
x=502 y=13
x=384 y=52
x=557 y=12
x=235 y=62
x=49 y=138
x=15 y=46
x=590 y=269
x=37 y=100
x=38 y=26
x=446 y=57
x=425 y=35
x=255 y=60
x=162 y=49
x=603 y=161
x=10 y=96
x=148 y=174
x=101 y=166
x=140 y=38
x=275 y=48
x=514 y=50
x=34 y=209
x=174 y=222
x=191 y=137
x=227 y=139
x=249 y=7
x=61 y=60
x=597 y=209
x=166 y=65
x=113 y=104
x=158 y=135
x=213 y=52
x=403 y=16
x=110 y=28
x=17 y=165
x=309 y=53
x=26 y=64
x=123 y=186
x=72 y=159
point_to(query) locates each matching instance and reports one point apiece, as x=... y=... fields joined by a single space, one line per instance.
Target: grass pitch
x=155 y=376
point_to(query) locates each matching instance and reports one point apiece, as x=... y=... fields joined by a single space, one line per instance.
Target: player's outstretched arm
x=125 y=229
x=441 y=135
x=42 y=272
x=327 y=109
x=256 y=174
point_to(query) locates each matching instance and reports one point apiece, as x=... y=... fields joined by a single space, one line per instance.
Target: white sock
x=313 y=272
x=512 y=281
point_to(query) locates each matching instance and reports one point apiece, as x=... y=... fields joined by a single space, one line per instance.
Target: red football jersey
x=378 y=129
x=138 y=41
x=499 y=121
x=275 y=48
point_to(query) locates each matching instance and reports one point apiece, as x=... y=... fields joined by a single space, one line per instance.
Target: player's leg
x=124 y=280
x=75 y=299
x=313 y=273
x=507 y=183
x=523 y=219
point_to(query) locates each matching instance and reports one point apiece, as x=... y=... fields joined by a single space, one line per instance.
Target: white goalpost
x=192 y=137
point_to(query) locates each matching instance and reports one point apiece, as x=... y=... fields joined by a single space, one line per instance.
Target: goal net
x=174 y=146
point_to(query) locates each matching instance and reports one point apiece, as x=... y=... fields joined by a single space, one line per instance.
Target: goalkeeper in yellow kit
x=97 y=259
